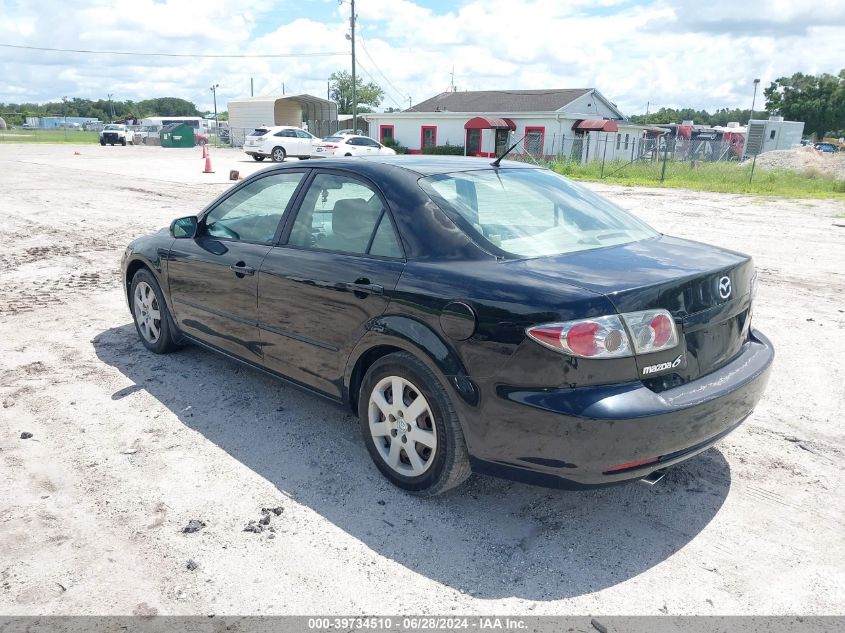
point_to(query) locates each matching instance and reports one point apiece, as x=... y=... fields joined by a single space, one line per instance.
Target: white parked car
x=350 y=145
x=280 y=141
x=116 y=133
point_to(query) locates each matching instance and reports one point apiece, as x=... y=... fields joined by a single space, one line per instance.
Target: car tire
x=278 y=154
x=433 y=434
x=123 y=142
x=257 y=158
x=145 y=300
x=347 y=154
x=103 y=143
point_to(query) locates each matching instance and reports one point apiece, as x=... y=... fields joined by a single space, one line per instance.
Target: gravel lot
x=127 y=447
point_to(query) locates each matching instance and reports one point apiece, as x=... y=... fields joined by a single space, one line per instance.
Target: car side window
x=303 y=134
x=385 y=243
x=253 y=213
x=286 y=133
x=369 y=142
x=340 y=213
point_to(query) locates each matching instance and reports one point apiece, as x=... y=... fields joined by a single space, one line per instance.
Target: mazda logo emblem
x=725 y=287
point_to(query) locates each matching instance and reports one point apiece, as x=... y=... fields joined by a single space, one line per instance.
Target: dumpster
x=177 y=135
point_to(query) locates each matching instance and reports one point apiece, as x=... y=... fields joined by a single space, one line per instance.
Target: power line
x=398 y=92
x=373 y=79
x=367 y=53
x=195 y=55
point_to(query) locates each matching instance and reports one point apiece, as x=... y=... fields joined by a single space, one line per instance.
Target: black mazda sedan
x=476 y=317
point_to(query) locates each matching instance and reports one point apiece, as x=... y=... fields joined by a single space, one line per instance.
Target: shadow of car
x=493 y=539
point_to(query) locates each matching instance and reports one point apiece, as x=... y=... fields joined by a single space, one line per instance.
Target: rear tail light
x=651 y=330
x=607 y=337
x=329 y=146
x=602 y=337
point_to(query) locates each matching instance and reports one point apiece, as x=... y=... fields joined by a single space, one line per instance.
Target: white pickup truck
x=115 y=133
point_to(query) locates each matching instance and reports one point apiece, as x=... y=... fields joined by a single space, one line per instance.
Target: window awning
x=596 y=125
x=489 y=123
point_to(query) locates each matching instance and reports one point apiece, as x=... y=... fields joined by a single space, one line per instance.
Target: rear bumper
x=581 y=437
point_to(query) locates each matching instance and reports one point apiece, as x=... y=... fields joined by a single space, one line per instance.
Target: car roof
x=429 y=165
x=421 y=165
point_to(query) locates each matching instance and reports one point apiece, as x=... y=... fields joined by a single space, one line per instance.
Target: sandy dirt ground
x=128 y=447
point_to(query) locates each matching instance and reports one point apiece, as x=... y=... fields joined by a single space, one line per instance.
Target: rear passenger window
x=341 y=214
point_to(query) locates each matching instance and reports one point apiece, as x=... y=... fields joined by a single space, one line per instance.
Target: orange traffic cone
x=204 y=153
x=208 y=169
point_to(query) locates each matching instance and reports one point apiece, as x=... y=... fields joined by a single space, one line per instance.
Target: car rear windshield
x=333 y=139
x=532 y=212
x=261 y=131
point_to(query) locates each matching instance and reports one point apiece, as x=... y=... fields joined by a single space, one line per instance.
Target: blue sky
x=662 y=52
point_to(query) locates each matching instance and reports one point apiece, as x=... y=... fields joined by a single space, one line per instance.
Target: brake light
x=606 y=337
x=602 y=337
x=651 y=330
x=329 y=146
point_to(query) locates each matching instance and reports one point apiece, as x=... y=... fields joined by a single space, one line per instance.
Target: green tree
x=340 y=90
x=817 y=100
x=166 y=106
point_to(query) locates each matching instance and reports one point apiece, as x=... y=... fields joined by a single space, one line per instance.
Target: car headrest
x=353 y=219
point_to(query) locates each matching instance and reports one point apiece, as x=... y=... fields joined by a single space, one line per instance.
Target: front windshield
x=533 y=212
x=113 y=127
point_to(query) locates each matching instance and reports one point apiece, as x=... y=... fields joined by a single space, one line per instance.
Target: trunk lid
x=706 y=289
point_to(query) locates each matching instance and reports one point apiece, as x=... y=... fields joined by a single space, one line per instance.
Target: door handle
x=364 y=287
x=241 y=269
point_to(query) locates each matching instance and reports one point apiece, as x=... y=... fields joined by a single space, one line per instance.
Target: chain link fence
x=650 y=155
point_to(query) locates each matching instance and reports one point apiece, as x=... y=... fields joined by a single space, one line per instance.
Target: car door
x=287 y=139
x=305 y=146
x=212 y=278
x=371 y=147
x=334 y=273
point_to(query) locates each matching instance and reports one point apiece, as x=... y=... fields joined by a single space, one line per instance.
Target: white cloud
x=634 y=51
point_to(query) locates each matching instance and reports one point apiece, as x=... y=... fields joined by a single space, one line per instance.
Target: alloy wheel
x=147 y=312
x=402 y=426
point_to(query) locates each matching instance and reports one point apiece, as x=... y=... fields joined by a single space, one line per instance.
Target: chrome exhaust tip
x=653 y=477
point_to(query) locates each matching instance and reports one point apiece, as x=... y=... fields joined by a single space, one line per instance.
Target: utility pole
x=111 y=108
x=409 y=102
x=216 y=122
x=753 y=100
x=251 y=86
x=354 y=87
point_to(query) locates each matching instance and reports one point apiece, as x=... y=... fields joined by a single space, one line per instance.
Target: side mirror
x=184 y=228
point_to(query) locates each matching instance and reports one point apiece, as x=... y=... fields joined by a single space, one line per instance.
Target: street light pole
x=111 y=108
x=216 y=122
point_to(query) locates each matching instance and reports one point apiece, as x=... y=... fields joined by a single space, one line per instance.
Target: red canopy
x=596 y=125
x=489 y=123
